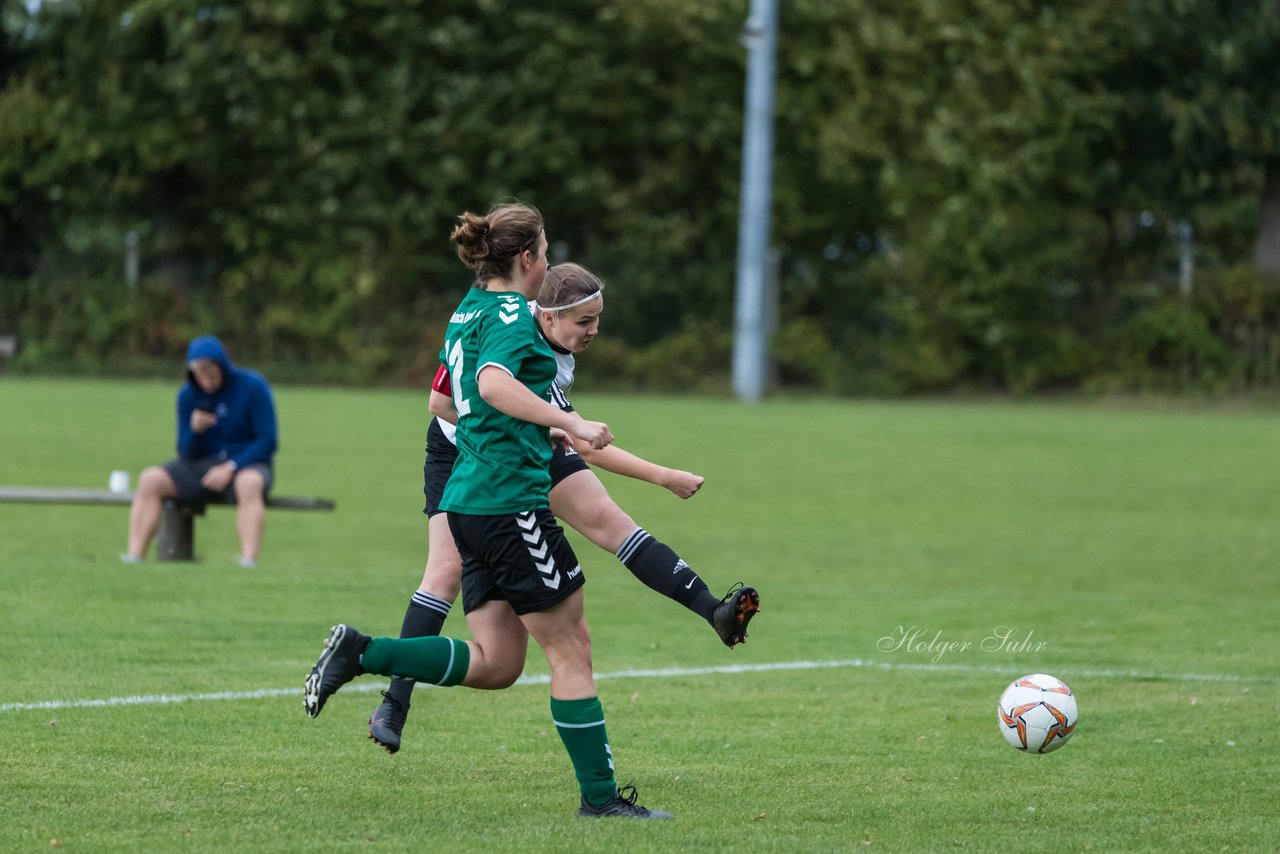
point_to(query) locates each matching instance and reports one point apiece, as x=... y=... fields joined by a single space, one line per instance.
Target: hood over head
x=208 y=347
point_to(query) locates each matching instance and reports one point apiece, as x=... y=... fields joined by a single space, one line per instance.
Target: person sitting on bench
x=226 y=441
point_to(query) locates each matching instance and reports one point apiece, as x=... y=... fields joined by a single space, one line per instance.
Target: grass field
x=1132 y=553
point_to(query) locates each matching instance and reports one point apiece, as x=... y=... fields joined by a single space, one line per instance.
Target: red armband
x=441 y=382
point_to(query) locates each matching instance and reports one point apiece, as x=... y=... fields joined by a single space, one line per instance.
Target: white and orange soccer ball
x=1037 y=713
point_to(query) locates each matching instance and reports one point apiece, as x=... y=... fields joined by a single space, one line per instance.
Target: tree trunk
x=174 y=261
x=1266 y=247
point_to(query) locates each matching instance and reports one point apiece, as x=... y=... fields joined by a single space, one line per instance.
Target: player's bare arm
x=508 y=395
x=681 y=483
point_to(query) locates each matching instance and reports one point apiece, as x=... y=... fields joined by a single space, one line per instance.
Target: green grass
x=1139 y=548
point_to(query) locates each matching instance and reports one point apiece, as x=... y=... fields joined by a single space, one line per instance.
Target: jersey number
x=455 y=359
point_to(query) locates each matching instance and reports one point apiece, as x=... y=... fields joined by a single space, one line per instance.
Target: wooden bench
x=176 y=538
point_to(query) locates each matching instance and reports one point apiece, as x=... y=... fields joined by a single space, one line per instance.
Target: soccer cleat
x=735 y=610
x=623 y=805
x=387 y=722
x=338 y=664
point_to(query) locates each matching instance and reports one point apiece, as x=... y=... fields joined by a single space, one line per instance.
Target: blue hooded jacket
x=246 y=428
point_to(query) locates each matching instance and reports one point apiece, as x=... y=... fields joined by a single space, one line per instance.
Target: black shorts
x=521 y=558
x=187 y=475
x=441 y=455
x=565 y=463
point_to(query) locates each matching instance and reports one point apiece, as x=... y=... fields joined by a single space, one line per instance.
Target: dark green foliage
x=981 y=194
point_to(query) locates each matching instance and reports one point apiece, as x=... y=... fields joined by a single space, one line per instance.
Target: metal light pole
x=750 y=348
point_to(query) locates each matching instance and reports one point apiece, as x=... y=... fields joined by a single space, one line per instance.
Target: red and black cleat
x=734 y=612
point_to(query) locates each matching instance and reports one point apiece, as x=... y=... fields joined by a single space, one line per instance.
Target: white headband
x=587 y=298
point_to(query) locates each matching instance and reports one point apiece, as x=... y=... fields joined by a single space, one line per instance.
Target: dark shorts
x=565 y=463
x=521 y=558
x=441 y=455
x=187 y=474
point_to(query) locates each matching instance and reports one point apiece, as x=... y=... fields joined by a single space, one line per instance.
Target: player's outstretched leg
x=338 y=664
x=735 y=610
x=623 y=805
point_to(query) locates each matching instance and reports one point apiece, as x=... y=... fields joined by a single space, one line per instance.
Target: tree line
x=985 y=194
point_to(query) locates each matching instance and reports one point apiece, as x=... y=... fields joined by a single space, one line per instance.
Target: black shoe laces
x=732 y=590
x=386 y=696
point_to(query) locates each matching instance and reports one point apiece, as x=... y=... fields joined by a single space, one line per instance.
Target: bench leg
x=177 y=537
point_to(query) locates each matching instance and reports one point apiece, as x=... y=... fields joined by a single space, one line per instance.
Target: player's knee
x=498 y=674
x=508 y=677
x=575 y=653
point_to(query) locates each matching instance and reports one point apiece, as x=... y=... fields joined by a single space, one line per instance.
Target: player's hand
x=561 y=438
x=202 y=419
x=683 y=483
x=594 y=433
x=219 y=477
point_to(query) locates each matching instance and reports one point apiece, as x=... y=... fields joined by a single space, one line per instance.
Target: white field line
x=665 y=673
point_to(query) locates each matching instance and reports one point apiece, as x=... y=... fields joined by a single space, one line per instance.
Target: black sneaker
x=338 y=664
x=387 y=722
x=623 y=805
x=735 y=610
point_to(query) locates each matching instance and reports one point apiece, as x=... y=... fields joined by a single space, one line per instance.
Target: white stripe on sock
x=627 y=550
x=578 y=726
x=450 y=665
x=431 y=603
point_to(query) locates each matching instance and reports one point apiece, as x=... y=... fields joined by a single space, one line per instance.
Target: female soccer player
x=520 y=576
x=568 y=311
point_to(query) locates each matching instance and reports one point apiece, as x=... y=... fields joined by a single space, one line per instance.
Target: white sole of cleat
x=311 y=691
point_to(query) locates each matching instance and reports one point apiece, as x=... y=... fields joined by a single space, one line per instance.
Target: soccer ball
x=1037 y=713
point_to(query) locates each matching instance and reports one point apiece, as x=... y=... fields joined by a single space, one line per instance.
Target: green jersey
x=502 y=464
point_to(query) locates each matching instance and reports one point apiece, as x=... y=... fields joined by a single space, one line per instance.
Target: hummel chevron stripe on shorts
x=538 y=548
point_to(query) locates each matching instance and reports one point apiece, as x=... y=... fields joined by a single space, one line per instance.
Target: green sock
x=435 y=660
x=581 y=727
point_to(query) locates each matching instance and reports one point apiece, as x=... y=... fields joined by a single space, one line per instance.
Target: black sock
x=424 y=616
x=654 y=563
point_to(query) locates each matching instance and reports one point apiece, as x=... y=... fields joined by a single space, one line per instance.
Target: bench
x=176 y=538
